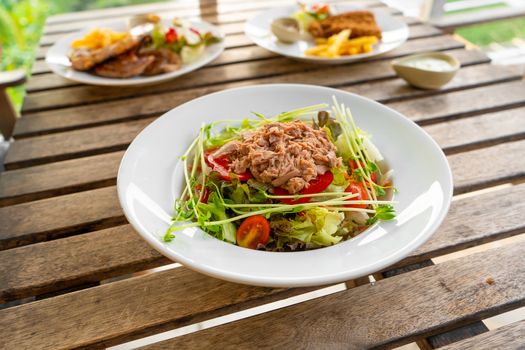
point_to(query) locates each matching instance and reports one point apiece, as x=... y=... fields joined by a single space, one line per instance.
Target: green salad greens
x=242 y=208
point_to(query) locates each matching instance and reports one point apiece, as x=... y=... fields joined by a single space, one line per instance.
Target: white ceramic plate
x=150 y=179
x=394 y=32
x=57 y=60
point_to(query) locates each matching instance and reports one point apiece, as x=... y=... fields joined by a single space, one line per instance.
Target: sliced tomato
x=253 y=231
x=317 y=185
x=357 y=188
x=353 y=165
x=222 y=166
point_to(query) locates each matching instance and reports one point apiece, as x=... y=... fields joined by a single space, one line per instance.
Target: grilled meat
x=361 y=23
x=126 y=65
x=165 y=61
x=84 y=58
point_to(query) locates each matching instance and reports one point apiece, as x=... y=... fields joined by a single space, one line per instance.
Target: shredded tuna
x=287 y=155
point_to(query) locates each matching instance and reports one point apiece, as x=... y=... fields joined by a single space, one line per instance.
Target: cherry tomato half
x=253 y=231
x=317 y=185
x=171 y=36
x=354 y=166
x=357 y=187
x=222 y=165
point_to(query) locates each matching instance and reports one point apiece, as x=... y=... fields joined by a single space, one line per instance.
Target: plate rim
x=279 y=282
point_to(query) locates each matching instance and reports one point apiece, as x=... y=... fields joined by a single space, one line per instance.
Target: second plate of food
x=325 y=34
x=148 y=51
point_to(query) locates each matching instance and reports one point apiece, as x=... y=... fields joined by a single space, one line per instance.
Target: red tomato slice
x=317 y=185
x=357 y=187
x=253 y=231
x=222 y=166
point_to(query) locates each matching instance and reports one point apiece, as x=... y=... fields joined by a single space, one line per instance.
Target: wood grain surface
x=26 y=223
x=148 y=302
x=510 y=337
x=58 y=178
x=343 y=320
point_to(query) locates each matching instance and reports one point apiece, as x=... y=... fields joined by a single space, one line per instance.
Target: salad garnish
x=261 y=185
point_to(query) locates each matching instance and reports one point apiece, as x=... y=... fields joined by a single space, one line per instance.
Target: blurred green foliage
x=21 y=24
x=494 y=32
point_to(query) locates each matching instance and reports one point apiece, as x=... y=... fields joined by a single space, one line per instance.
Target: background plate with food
x=329 y=34
x=152 y=177
x=142 y=50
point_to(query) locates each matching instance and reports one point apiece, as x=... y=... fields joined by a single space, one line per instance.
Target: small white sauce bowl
x=426 y=77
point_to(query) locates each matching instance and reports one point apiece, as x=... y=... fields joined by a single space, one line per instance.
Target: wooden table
x=72 y=269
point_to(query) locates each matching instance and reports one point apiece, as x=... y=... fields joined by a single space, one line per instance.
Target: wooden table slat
x=338 y=321
x=59 y=178
x=137 y=305
x=463 y=103
x=58 y=216
x=509 y=337
x=177 y=297
x=485 y=167
x=90 y=257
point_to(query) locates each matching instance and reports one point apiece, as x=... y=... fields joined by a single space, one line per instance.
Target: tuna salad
x=303 y=179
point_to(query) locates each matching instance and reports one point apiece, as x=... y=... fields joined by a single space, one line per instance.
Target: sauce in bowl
x=429 y=63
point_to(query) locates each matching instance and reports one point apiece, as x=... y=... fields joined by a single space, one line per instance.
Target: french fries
x=340 y=45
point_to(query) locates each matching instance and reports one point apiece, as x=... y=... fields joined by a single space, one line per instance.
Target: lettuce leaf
x=317 y=227
x=215 y=209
